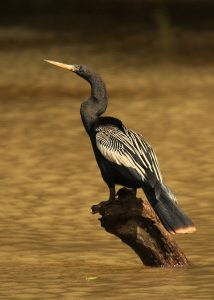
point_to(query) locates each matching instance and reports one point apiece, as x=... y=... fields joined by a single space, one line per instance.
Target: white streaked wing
x=127 y=149
x=115 y=147
x=145 y=150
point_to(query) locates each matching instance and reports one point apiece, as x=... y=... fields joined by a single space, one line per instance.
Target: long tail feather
x=165 y=206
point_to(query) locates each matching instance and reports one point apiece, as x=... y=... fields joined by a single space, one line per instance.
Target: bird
x=124 y=157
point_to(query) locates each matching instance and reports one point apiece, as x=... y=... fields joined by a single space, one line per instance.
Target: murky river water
x=51 y=246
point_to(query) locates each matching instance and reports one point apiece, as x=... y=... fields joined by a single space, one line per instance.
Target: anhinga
x=124 y=157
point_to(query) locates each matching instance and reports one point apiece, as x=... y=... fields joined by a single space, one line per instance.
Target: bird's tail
x=165 y=205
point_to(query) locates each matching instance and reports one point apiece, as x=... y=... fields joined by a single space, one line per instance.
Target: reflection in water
x=51 y=246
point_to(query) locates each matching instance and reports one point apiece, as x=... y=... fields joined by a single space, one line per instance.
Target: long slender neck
x=97 y=103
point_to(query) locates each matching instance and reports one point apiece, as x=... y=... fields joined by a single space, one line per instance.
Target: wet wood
x=133 y=221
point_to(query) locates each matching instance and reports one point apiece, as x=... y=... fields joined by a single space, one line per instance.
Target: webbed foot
x=96 y=208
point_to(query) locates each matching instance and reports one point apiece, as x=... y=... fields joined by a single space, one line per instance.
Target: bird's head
x=98 y=89
x=81 y=70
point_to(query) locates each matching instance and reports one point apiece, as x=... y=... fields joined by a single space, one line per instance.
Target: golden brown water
x=51 y=246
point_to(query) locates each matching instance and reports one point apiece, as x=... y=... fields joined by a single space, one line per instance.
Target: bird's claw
x=96 y=208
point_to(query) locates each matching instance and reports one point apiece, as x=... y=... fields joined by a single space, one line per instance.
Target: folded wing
x=129 y=149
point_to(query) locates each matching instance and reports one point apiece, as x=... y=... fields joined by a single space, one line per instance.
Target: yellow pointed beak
x=61 y=65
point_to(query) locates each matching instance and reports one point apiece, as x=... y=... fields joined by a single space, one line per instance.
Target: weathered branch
x=136 y=224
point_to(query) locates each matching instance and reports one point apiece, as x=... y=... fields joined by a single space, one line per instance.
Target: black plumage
x=124 y=157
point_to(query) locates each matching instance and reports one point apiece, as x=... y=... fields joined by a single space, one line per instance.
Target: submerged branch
x=136 y=224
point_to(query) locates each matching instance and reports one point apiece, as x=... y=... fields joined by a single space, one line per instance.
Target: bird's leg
x=134 y=191
x=112 y=194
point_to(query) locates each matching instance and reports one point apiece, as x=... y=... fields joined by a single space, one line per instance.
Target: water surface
x=51 y=246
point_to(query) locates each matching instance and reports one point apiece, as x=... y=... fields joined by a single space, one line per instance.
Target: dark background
x=196 y=14
x=178 y=30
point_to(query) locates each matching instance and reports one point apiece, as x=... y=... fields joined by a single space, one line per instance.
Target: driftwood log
x=136 y=224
